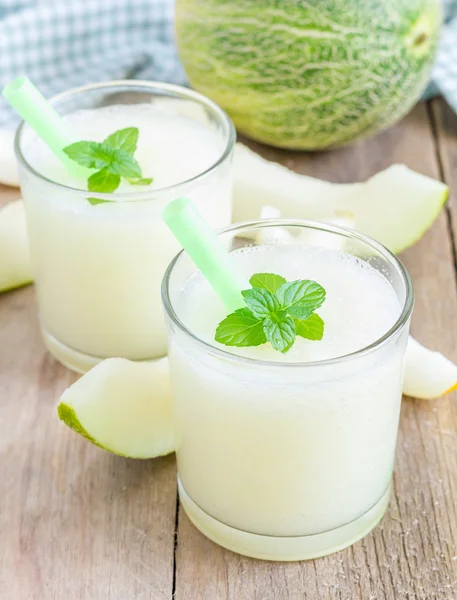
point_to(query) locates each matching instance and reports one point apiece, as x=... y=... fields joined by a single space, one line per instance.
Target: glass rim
x=176 y=91
x=398 y=326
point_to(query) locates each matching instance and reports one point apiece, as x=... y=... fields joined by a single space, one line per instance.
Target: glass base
x=69 y=357
x=72 y=359
x=283 y=548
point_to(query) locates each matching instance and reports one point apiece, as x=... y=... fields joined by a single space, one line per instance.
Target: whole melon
x=309 y=74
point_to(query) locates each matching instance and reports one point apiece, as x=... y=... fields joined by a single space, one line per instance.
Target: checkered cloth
x=61 y=44
x=444 y=76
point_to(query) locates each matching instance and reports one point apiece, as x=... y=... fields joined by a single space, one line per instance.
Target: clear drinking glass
x=98 y=269
x=278 y=460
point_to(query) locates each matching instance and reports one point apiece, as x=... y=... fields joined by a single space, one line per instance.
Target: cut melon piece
x=428 y=374
x=395 y=207
x=14 y=247
x=123 y=406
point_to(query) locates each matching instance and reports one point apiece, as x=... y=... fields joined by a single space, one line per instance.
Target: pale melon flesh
x=124 y=407
x=428 y=374
x=14 y=248
x=395 y=206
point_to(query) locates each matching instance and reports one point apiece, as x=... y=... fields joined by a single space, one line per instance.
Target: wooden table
x=79 y=523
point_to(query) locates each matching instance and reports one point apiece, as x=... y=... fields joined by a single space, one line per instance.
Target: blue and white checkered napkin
x=61 y=44
x=445 y=70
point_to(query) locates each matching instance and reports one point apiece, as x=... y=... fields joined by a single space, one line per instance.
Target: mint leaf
x=277 y=311
x=300 y=298
x=241 y=328
x=87 y=154
x=311 y=328
x=140 y=181
x=123 y=139
x=103 y=181
x=107 y=154
x=124 y=164
x=267 y=281
x=114 y=159
x=95 y=201
x=261 y=302
x=280 y=332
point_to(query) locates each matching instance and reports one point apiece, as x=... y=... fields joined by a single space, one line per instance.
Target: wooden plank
x=413 y=553
x=7 y=194
x=445 y=131
x=75 y=522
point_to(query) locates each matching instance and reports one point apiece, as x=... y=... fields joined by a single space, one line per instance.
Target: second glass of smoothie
x=290 y=456
x=98 y=267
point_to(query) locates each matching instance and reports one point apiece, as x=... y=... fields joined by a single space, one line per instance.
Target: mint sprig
x=311 y=328
x=113 y=158
x=240 y=329
x=276 y=312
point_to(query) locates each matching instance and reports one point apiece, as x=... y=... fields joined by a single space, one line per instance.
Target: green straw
x=205 y=249
x=41 y=116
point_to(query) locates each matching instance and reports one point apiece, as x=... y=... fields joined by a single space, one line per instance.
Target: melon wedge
x=14 y=248
x=428 y=374
x=8 y=166
x=395 y=207
x=123 y=407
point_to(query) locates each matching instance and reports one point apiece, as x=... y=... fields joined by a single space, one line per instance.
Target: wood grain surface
x=77 y=523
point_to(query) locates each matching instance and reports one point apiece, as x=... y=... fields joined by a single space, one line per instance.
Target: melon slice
x=14 y=248
x=428 y=374
x=395 y=207
x=123 y=407
x=8 y=166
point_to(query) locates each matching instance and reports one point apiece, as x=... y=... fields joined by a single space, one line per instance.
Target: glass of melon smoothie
x=290 y=456
x=98 y=267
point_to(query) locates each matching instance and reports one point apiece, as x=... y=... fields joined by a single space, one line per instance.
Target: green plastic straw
x=41 y=116
x=205 y=249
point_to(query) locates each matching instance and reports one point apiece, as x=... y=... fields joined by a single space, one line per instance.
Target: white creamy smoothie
x=98 y=268
x=281 y=448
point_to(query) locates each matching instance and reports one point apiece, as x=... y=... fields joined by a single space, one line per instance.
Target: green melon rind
x=398 y=248
x=397 y=221
x=309 y=75
x=16 y=286
x=439 y=207
x=67 y=414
